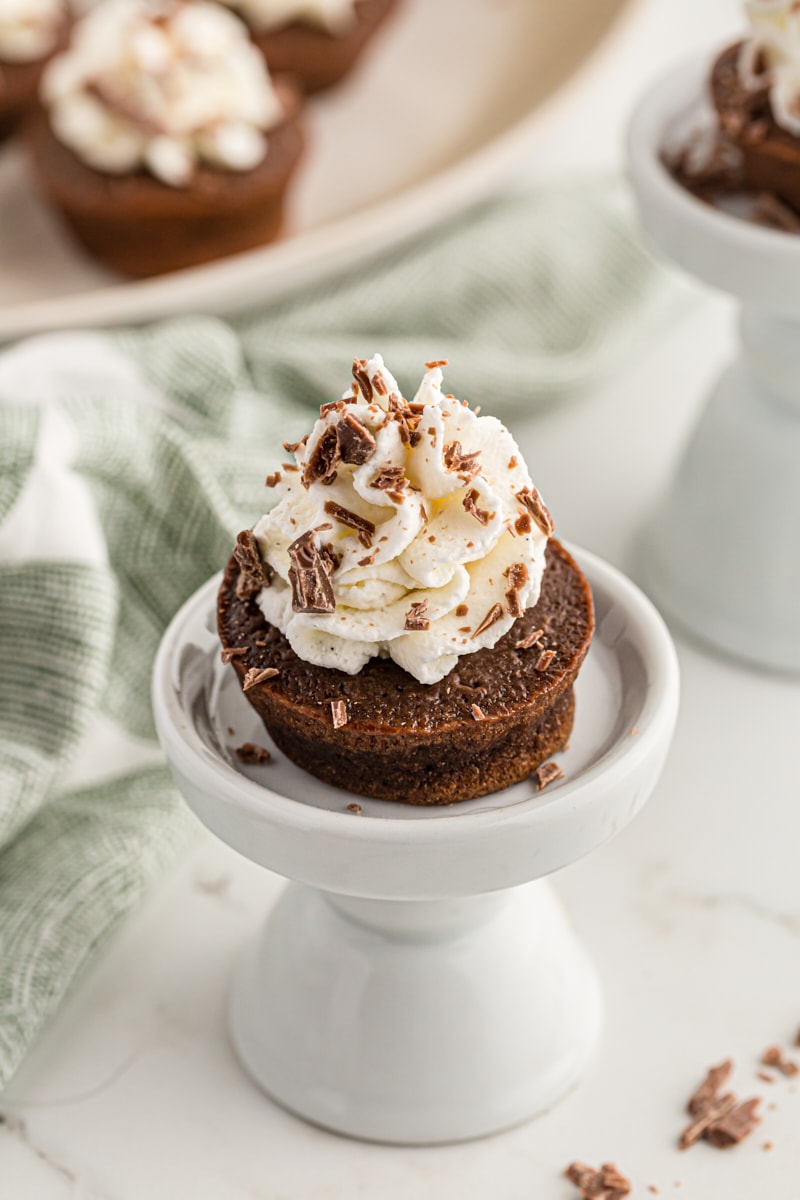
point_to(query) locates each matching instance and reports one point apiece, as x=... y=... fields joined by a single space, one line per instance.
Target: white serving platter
x=444 y=106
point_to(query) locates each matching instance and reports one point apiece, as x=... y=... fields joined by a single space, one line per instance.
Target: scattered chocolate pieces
x=517 y=576
x=606 y=1184
x=544 y=660
x=495 y=613
x=773 y=1056
x=532 y=501
x=309 y=575
x=466 y=466
x=391 y=480
x=254 y=574
x=532 y=638
x=415 y=617
x=231 y=652
x=253 y=755
x=547 y=773
x=356 y=808
x=323 y=460
x=356 y=443
x=721 y=1119
x=255 y=676
x=352 y=520
x=470 y=503
x=478 y=713
x=339 y=714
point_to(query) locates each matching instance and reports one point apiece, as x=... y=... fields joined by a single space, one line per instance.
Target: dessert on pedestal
x=164 y=143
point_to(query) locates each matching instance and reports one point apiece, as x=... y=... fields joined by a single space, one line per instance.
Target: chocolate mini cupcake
x=165 y=143
x=31 y=31
x=317 y=41
x=399 y=620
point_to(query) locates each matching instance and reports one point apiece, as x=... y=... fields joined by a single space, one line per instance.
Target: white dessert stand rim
x=674 y=96
x=186 y=747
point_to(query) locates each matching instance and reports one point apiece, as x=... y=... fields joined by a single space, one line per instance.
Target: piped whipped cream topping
x=407 y=530
x=29 y=29
x=332 y=15
x=770 y=58
x=162 y=85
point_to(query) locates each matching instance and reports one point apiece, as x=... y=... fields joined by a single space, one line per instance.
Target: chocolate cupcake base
x=489 y=723
x=141 y=227
x=316 y=58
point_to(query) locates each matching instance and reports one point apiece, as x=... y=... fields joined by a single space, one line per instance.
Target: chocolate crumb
x=252 y=754
x=470 y=503
x=273 y=480
x=231 y=652
x=721 y=1119
x=478 y=713
x=765 y=1077
x=544 y=660
x=356 y=808
x=462 y=610
x=547 y=773
x=736 y=1124
x=231 y=730
x=466 y=466
x=255 y=676
x=416 y=621
x=494 y=614
x=523 y=524
x=708 y=1090
x=531 y=499
x=532 y=638
x=606 y=1184
x=773 y=1056
x=339 y=713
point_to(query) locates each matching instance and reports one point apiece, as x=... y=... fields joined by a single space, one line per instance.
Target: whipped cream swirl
x=770 y=58
x=29 y=29
x=162 y=85
x=411 y=531
x=332 y=15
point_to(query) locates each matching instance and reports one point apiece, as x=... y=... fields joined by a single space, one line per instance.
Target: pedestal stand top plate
x=416 y=152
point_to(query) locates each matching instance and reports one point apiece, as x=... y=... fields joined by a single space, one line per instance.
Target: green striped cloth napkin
x=128 y=462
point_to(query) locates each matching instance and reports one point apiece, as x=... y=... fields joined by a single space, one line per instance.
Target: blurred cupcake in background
x=163 y=140
x=31 y=31
x=317 y=41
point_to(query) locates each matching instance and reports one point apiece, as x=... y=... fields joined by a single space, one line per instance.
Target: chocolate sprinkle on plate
x=253 y=755
x=255 y=676
x=606 y=1184
x=547 y=773
x=721 y=1119
x=773 y=1056
x=354 y=808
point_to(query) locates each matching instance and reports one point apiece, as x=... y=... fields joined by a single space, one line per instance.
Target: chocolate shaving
x=495 y=613
x=714 y=1111
x=736 y=1124
x=530 y=498
x=273 y=480
x=466 y=466
x=436 y=362
x=309 y=576
x=293 y=447
x=415 y=617
x=332 y=406
x=330 y=559
x=547 y=773
x=773 y=1056
x=529 y=640
x=606 y=1184
x=339 y=714
x=517 y=575
x=254 y=574
x=355 y=808
x=252 y=754
x=478 y=713
x=716 y=1078
x=231 y=652
x=324 y=458
x=352 y=520
x=356 y=443
x=362 y=378
x=523 y=523
x=470 y=503
x=256 y=675
x=544 y=660
x=391 y=480
x=378 y=384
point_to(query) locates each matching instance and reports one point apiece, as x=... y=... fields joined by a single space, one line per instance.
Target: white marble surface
x=693 y=913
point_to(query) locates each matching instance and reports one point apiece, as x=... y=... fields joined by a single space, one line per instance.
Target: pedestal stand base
x=416 y=1021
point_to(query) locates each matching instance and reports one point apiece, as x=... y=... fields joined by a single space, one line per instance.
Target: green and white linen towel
x=128 y=462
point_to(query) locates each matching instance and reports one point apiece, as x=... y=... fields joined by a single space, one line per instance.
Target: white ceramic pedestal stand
x=722 y=554
x=413 y=985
